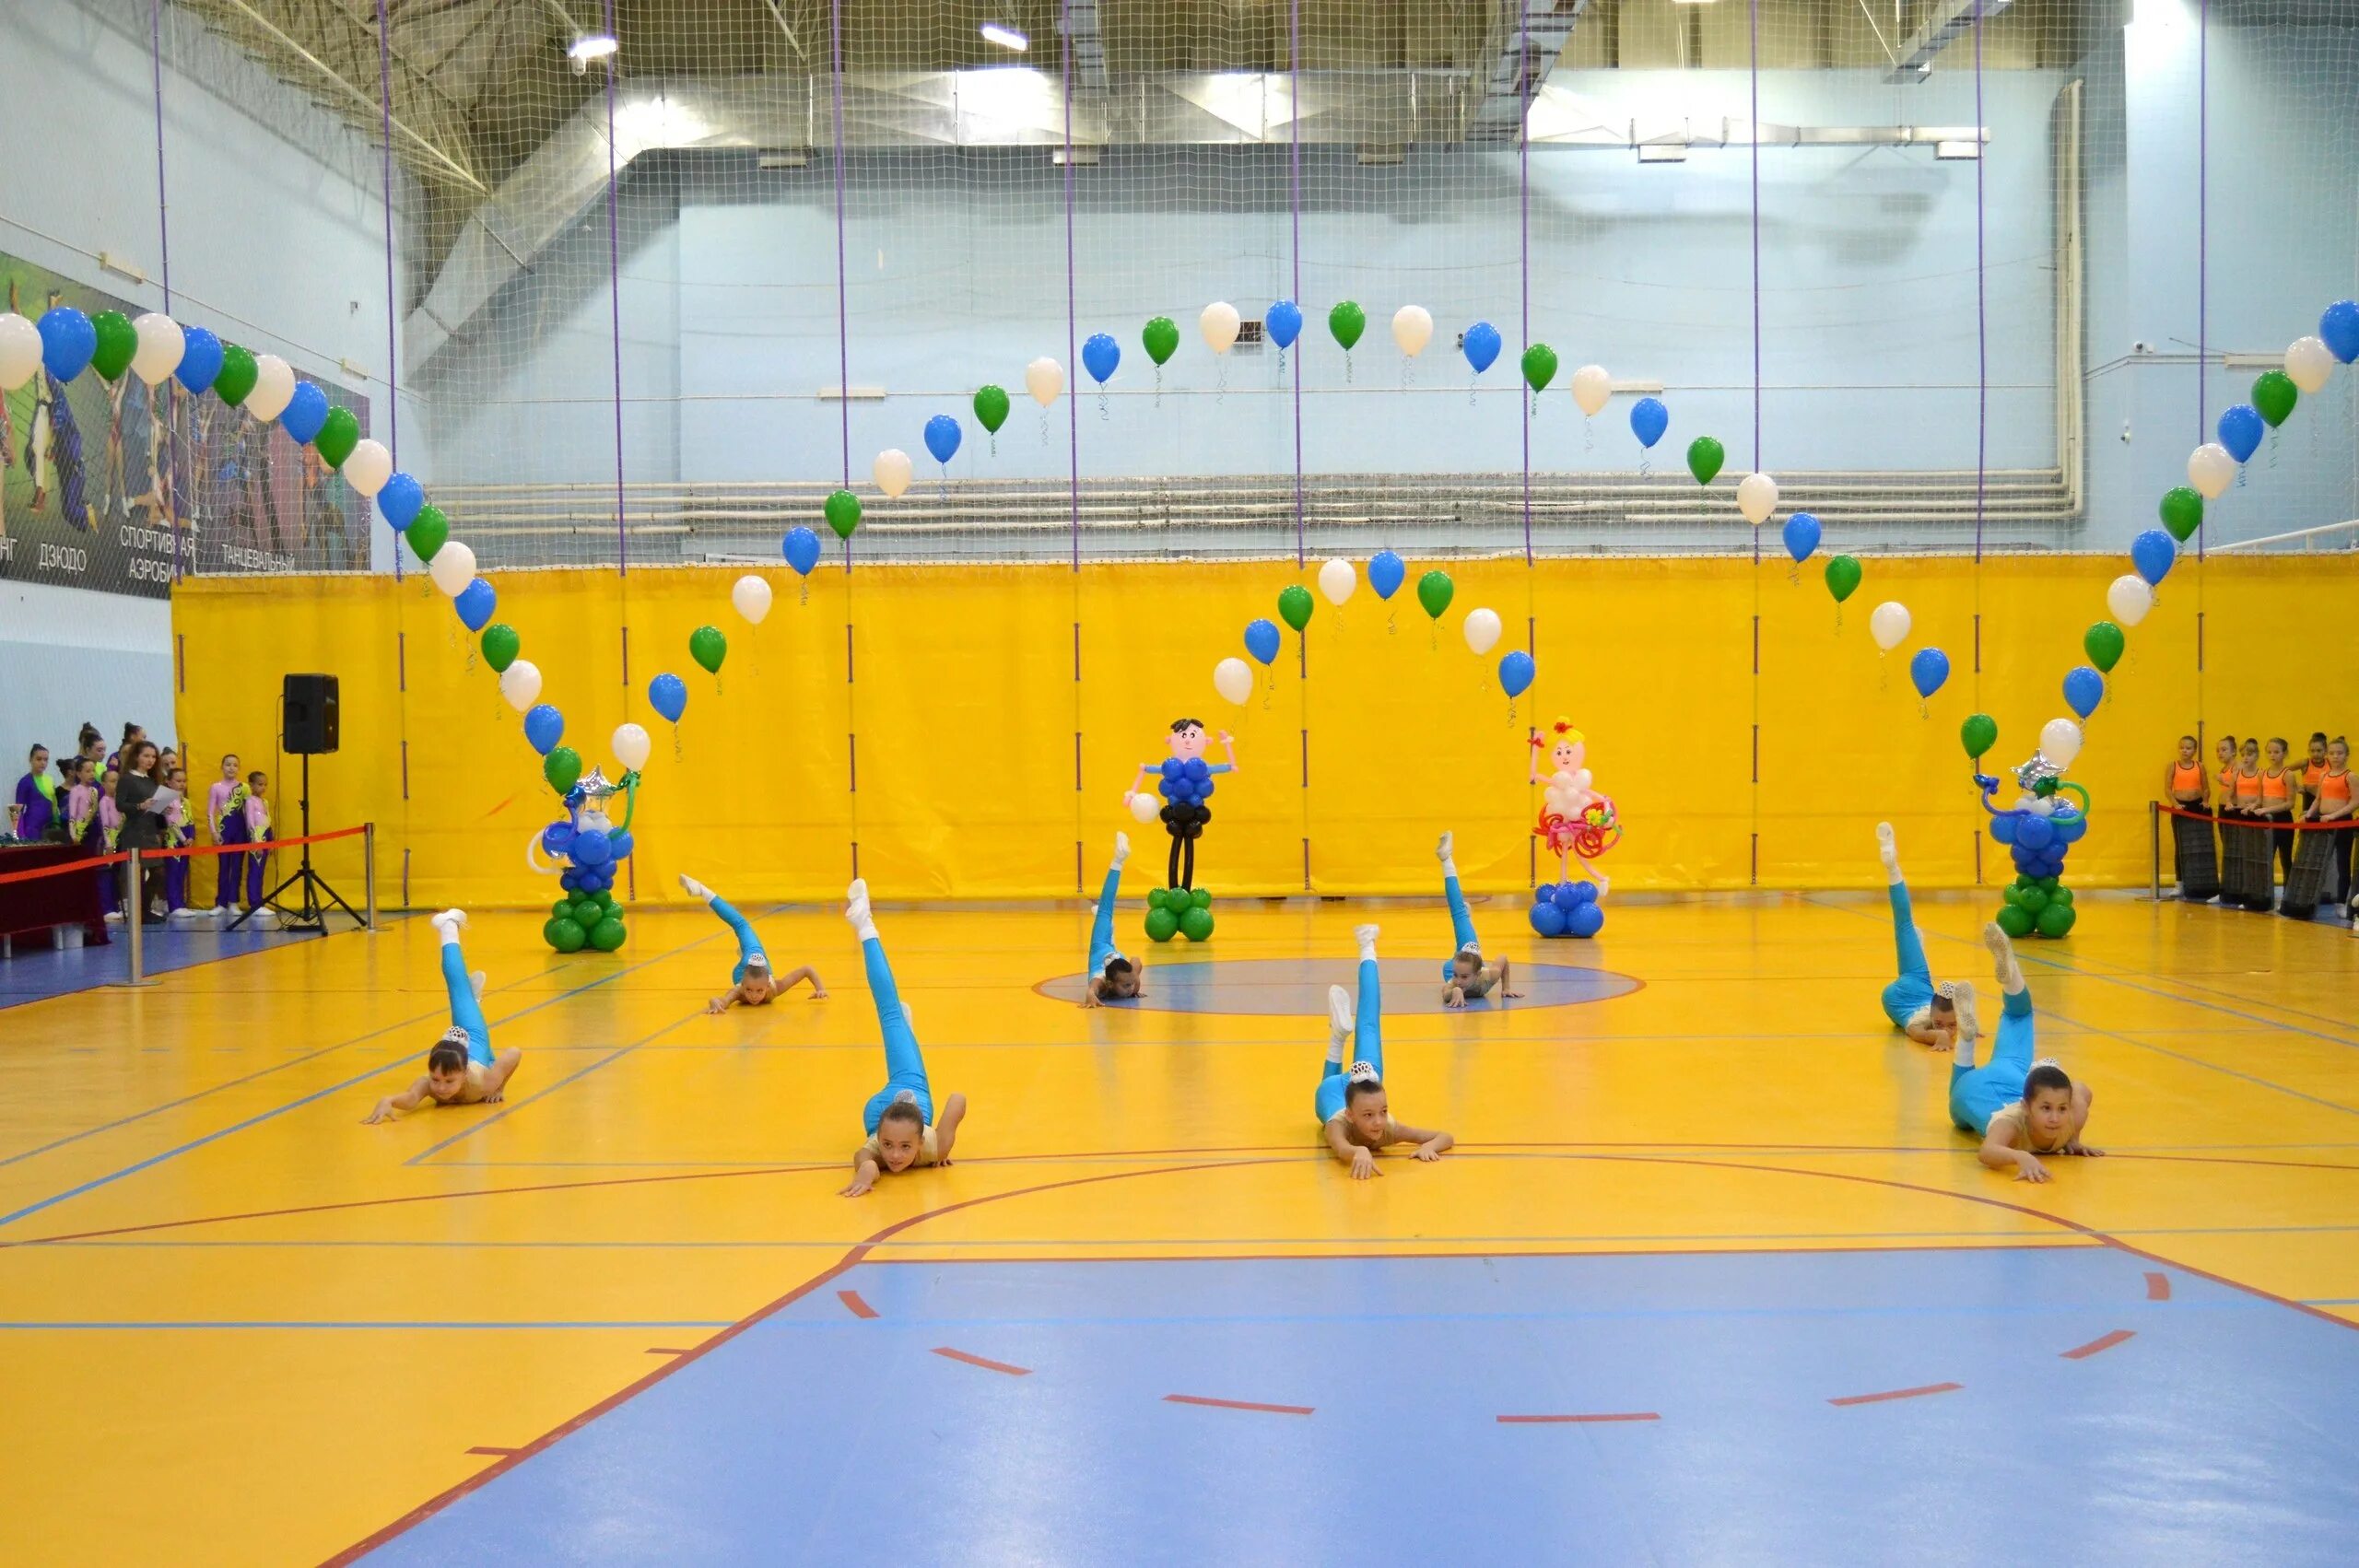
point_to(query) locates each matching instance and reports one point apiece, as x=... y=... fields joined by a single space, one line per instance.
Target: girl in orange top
x=2245 y=842
x=2184 y=782
x=2227 y=777
x=2186 y=786
x=2334 y=805
x=2277 y=805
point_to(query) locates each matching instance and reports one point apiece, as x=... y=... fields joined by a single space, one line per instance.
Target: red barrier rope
x=119 y=856
x=2237 y=820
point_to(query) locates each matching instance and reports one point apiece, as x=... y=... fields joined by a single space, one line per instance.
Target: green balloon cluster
x=594 y=920
x=2036 y=906
x=1177 y=911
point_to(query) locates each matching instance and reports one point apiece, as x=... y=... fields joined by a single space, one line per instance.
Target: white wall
x=71 y=658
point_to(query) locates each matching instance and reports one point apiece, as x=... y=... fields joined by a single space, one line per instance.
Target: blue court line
x=507 y=1110
x=333 y=1088
x=168 y=953
x=265 y=1324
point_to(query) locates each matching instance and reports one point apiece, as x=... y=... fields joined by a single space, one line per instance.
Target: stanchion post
x=2154 y=817
x=134 y=921
x=369 y=876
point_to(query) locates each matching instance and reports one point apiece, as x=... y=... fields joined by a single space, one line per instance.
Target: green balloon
x=1201 y=898
x=605 y=899
x=2011 y=893
x=2274 y=393
x=1539 y=365
x=561 y=910
x=707 y=648
x=1843 y=580
x=2032 y=900
x=990 y=406
x=843 y=509
x=500 y=646
x=1161 y=336
x=338 y=435
x=118 y=341
x=1347 y=320
x=607 y=934
x=586 y=913
x=1156 y=896
x=1705 y=456
x=427 y=532
x=2057 y=920
x=2182 y=512
x=1293 y=606
x=2047 y=883
x=2015 y=920
x=1433 y=591
x=1196 y=924
x=564 y=935
x=1979 y=734
x=2061 y=895
x=562 y=768
x=2103 y=643
x=239 y=373
x=1162 y=925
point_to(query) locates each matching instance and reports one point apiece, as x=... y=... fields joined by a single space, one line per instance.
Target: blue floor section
x=2221 y=1431
x=38 y=973
x=1293 y=987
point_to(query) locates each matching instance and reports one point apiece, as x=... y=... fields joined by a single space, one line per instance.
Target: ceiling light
x=1662 y=152
x=592 y=46
x=1005 y=37
x=1691 y=2
x=1958 y=151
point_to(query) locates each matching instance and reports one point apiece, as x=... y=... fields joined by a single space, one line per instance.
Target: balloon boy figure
x=586 y=912
x=1185 y=781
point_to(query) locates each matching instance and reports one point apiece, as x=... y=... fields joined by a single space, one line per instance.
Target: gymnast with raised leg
x=461 y=1069
x=1926 y=1012
x=1354 y=1114
x=1112 y=976
x=752 y=982
x=1465 y=978
x=2020 y=1108
x=902 y=1131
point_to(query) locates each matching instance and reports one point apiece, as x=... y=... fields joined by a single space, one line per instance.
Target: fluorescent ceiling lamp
x=1957 y=150
x=1005 y=37
x=1691 y=2
x=592 y=46
x=1662 y=152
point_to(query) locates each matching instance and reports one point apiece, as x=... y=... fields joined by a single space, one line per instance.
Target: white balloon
x=1413 y=328
x=1044 y=379
x=2059 y=741
x=161 y=344
x=521 y=683
x=19 y=351
x=1582 y=779
x=631 y=744
x=2129 y=598
x=1756 y=497
x=1591 y=387
x=2310 y=362
x=368 y=467
x=1233 y=678
x=751 y=595
x=1219 y=323
x=1337 y=580
x=273 y=388
x=2211 y=470
x=452 y=567
x=1888 y=624
x=1482 y=629
x=893 y=470
x=1142 y=806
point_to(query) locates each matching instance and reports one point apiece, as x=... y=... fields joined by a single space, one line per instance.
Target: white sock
x=694 y=888
x=1366 y=936
x=449 y=923
x=1445 y=852
x=1122 y=850
x=856 y=910
x=1888 y=852
x=1341 y=1020
x=2009 y=969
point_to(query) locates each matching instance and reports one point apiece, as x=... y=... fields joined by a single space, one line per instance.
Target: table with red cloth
x=36 y=904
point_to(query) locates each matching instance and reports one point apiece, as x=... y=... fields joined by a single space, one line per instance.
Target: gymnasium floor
x=1709 y=1280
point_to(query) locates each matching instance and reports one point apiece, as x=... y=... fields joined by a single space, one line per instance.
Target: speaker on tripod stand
x=308 y=727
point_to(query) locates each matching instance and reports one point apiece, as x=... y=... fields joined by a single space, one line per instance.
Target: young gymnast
x=2020 y=1108
x=1112 y=978
x=1465 y=978
x=902 y=1133
x=1355 y=1115
x=1926 y=1012
x=461 y=1069
x=752 y=982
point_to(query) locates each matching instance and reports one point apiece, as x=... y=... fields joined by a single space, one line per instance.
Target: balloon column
x=2038 y=830
x=589 y=848
x=1567 y=908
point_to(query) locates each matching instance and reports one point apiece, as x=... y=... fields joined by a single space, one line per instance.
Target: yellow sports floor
x=241 y=1327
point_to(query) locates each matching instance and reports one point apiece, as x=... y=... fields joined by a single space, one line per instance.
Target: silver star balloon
x=2029 y=772
x=594 y=786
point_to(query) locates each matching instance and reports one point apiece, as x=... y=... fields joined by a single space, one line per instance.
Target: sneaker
x=475 y=977
x=1444 y=850
x=448 y=924
x=1364 y=936
x=856 y=907
x=1121 y=850
x=1341 y=1021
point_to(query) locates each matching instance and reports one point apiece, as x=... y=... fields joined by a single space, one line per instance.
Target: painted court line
x=858 y=1307
x=2103 y=1342
x=2159 y=1287
x=1898 y=1393
x=495 y=1453
x=984 y=1362
x=1237 y=1405
x=1578 y=1420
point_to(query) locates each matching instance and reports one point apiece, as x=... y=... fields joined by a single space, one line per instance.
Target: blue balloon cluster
x=596 y=855
x=2040 y=843
x=1185 y=783
x=1567 y=908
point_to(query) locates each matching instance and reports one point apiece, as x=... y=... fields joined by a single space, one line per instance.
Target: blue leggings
x=1976 y=1094
x=748 y=943
x=903 y=1064
x=1461 y=925
x=1913 y=988
x=1368 y=1045
x=466 y=1012
x=1101 y=930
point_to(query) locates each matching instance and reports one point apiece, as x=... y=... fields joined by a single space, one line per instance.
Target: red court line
x=2158 y=1286
x=2104 y=1343
x=984 y=1362
x=1553 y=1420
x=496 y=1453
x=1237 y=1405
x=1898 y=1393
x=665 y=1350
x=858 y=1307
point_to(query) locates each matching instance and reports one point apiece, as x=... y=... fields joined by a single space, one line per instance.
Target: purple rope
x=393 y=366
x=843 y=326
x=1755 y=68
x=164 y=230
x=2202 y=196
x=1293 y=114
x=614 y=265
x=1981 y=308
x=1073 y=364
x=1523 y=252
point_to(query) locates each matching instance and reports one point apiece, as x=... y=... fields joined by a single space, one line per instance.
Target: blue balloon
x=669 y=695
x=2241 y=428
x=1586 y=920
x=1174 y=768
x=544 y=727
x=2340 y=328
x=2032 y=833
x=2152 y=553
x=476 y=604
x=801 y=548
x=1649 y=420
x=1544 y=894
x=1515 y=673
x=200 y=359
x=68 y=341
x=1100 y=355
x=1204 y=790
x=1285 y=322
x=1262 y=639
x=619 y=843
x=1928 y=669
x=1481 y=345
x=2070 y=829
x=557 y=837
x=2002 y=827
x=1802 y=534
x=1197 y=769
x=1567 y=896
x=1386 y=574
x=1546 y=919
x=2084 y=689
x=570 y=880
x=1584 y=890
x=401 y=500
x=591 y=848
x=307 y=411
x=942 y=438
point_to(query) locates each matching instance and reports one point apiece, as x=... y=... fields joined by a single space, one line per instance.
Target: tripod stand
x=312 y=914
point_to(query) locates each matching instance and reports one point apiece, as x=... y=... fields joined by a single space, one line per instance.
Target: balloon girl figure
x=586 y=912
x=1185 y=781
x=1577 y=821
x=2038 y=831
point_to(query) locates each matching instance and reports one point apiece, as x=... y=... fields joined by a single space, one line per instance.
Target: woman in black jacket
x=143 y=828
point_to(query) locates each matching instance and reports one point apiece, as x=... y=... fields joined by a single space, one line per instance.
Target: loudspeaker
x=307 y=715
